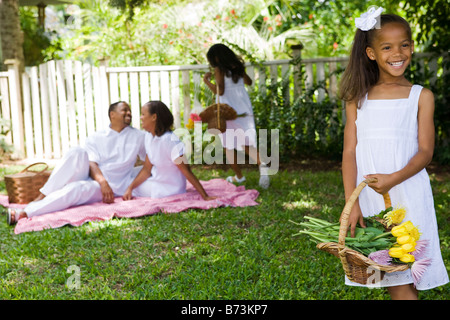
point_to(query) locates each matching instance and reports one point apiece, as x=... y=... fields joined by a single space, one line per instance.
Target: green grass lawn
x=223 y=253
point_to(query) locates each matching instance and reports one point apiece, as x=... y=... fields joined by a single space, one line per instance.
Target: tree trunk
x=11 y=36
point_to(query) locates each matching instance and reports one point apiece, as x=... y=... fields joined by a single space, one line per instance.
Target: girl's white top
x=241 y=131
x=166 y=179
x=386 y=141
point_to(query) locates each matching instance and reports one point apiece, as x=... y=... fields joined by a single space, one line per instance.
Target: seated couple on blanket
x=105 y=167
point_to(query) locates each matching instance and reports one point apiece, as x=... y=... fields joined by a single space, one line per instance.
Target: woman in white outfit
x=165 y=169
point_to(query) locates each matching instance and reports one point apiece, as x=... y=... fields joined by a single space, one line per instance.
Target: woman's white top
x=166 y=179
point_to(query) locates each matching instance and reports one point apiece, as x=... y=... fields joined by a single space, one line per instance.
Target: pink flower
x=195 y=117
x=381 y=257
x=164 y=26
x=418 y=269
x=335 y=45
x=421 y=249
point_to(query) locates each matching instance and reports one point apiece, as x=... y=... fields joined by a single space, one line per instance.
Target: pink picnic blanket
x=228 y=195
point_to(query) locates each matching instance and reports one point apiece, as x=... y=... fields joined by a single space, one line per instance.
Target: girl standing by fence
x=231 y=78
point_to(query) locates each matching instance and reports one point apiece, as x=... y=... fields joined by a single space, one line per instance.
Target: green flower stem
x=383 y=235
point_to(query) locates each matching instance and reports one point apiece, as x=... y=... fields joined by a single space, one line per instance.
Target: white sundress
x=241 y=131
x=166 y=179
x=386 y=141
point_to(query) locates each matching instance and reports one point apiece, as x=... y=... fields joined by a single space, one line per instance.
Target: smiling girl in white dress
x=389 y=135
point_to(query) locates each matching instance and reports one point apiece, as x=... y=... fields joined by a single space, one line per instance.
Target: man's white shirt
x=116 y=153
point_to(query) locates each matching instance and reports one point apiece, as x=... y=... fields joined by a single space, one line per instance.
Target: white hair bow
x=369 y=19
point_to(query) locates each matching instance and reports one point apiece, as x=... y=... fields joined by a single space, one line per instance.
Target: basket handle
x=217 y=92
x=218 y=104
x=34 y=164
x=346 y=214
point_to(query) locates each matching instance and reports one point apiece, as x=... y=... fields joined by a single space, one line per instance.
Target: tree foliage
x=176 y=32
x=160 y=32
x=430 y=19
x=128 y=6
x=147 y=32
x=35 y=39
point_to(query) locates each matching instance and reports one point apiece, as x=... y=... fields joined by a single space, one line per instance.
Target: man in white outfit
x=100 y=171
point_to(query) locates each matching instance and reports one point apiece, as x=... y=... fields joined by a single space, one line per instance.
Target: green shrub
x=307 y=127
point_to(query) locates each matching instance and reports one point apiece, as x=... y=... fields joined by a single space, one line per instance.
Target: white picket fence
x=58 y=104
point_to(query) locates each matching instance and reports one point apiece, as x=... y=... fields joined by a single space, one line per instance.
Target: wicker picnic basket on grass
x=357 y=266
x=217 y=114
x=23 y=187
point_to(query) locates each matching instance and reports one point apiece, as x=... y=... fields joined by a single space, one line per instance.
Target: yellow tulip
x=399 y=231
x=407 y=258
x=405 y=239
x=409 y=247
x=408 y=225
x=415 y=233
x=396 y=252
x=406 y=228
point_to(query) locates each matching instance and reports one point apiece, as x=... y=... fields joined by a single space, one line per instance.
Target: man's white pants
x=68 y=185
